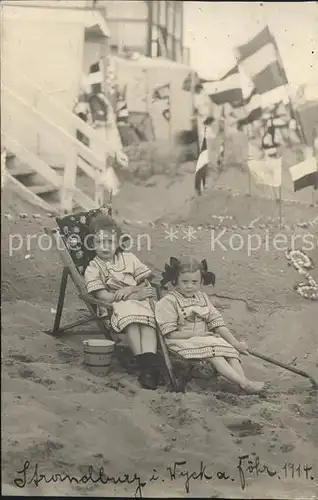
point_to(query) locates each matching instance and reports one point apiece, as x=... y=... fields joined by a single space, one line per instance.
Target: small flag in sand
x=264 y=170
x=305 y=174
x=110 y=181
x=201 y=167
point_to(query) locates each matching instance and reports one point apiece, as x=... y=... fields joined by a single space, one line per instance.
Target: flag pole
x=294 y=110
x=222 y=145
x=148 y=113
x=205 y=174
x=249 y=177
x=280 y=205
x=111 y=201
x=315 y=154
x=170 y=131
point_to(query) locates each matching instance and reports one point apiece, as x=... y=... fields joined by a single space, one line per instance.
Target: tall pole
x=280 y=206
x=170 y=114
x=149 y=27
x=315 y=153
x=249 y=177
x=297 y=119
x=148 y=112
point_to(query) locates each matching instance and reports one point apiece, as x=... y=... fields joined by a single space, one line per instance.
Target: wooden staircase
x=35 y=183
x=25 y=106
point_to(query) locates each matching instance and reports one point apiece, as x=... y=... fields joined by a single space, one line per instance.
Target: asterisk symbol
x=189 y=233
x=171 y=234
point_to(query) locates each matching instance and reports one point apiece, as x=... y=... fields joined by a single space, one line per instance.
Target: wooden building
x=153 y=28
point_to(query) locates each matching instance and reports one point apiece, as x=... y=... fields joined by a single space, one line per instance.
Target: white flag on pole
x=110 y=181
x=266 y=171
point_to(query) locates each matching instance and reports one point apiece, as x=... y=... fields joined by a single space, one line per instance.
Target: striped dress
x=197 y=318
x=125 y=270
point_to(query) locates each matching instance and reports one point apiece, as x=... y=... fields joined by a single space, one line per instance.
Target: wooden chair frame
x=70 y=270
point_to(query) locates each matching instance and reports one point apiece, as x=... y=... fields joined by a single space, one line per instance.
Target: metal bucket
x=98 y=355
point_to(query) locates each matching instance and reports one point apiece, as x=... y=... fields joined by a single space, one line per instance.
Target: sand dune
x=57 y=415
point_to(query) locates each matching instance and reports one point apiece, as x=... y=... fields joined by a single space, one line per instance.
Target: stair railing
x=46 y=111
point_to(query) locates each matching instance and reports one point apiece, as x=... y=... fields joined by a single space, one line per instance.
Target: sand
x=59 y=416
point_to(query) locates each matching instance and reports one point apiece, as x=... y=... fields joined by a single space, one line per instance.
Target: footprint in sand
x=245 y=428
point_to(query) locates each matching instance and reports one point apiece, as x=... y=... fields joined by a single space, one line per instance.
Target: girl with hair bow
x=193 y=327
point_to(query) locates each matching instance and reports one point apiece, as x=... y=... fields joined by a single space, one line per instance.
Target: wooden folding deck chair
x=72 y=241
x=69 y=238
x=178 y=384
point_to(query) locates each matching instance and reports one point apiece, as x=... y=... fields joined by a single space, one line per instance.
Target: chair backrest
x=75 y=232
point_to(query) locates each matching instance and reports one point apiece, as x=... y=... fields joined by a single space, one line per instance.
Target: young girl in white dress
x=118 y=278
x=194 y=328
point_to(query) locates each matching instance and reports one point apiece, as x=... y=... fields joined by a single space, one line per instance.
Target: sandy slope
x=61 y=417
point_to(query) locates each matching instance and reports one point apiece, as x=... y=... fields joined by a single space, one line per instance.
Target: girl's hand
x=242 y=347
x=145 y=293
x=123 y=293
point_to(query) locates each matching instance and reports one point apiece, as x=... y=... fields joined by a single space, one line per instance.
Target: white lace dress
x=125 y=270
x=197 y=316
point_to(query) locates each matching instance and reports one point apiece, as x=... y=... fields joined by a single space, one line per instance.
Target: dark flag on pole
x=226 y=89
x=261 y=61
x=201 y=167
x=305 y=174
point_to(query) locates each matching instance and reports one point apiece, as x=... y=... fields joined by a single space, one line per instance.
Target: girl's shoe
x=148 y=375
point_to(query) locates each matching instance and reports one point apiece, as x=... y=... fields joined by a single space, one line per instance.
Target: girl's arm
x=141 y=272
x=225 y=333
x=176 y=334
x=104 y=295
x=95 y=284
x=128 y=292
x=167 y=318
x=217 y=325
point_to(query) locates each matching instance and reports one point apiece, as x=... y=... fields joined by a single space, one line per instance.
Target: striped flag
x=201 y=167
x=261 y=61
x=162 y=93
x=122 y=113
x=227 y=89
x=252 y=108
x=305 y=174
